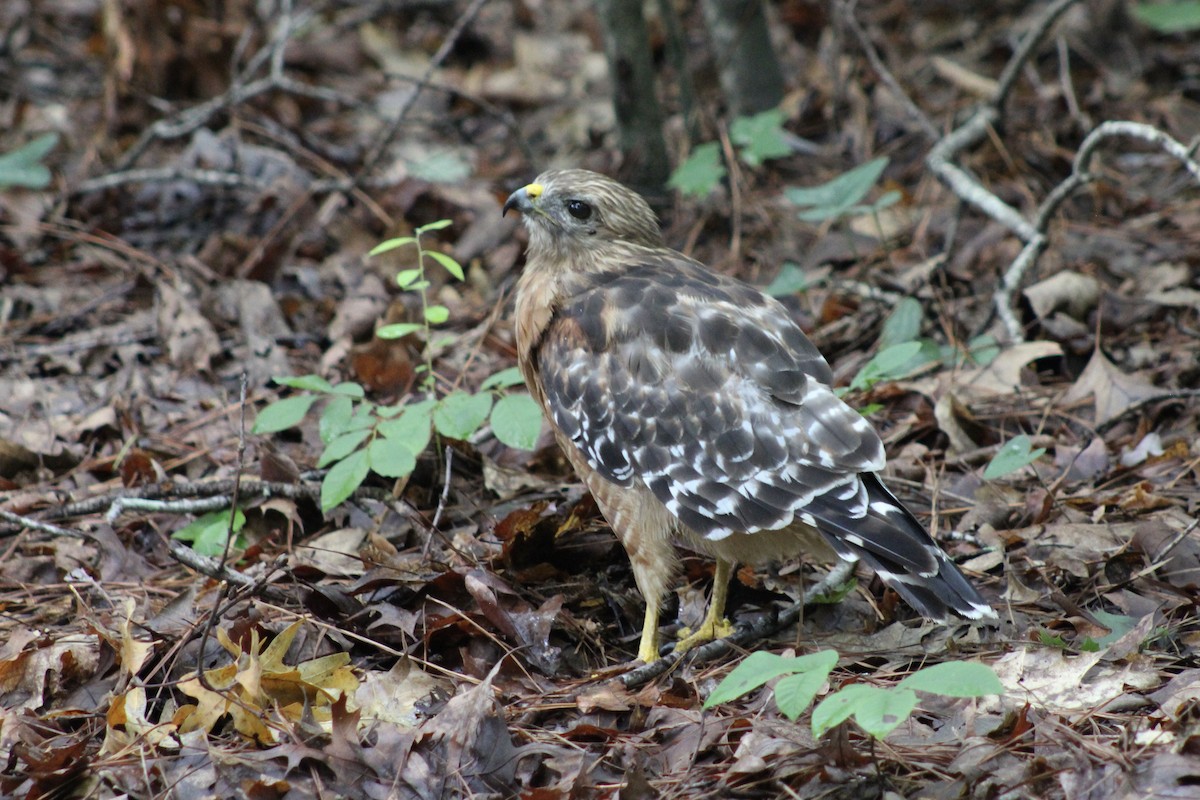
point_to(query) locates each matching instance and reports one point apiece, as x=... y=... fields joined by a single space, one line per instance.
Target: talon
x=708 y=631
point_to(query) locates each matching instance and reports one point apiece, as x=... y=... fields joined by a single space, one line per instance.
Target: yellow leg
x=715 y=626
x=648 y=649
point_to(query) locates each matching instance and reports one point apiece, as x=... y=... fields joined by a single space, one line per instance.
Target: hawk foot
x=709 y=630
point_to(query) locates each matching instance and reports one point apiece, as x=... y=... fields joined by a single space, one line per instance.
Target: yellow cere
x=534 y=190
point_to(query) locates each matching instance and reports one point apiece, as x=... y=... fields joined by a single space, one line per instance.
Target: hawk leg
x=714 y=626
x=648 y=649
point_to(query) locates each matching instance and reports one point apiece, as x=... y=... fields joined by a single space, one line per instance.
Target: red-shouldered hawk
x=697 y=411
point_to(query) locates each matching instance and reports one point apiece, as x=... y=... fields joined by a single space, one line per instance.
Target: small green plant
x=1015 y=453
x=758 y=138
x=1118 y=625
x=791 y=279
x=361 y=436
x=23 y=166
x=701 y=173
x=903 y=351
x=842 y=197
x=206 y=534
x=761 y=137
x=877 y=710
x=1173 y=17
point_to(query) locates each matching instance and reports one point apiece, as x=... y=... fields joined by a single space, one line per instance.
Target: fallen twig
x=1032 y=232
x=44 y=527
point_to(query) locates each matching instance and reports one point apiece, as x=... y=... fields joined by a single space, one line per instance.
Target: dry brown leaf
x=31 y=675
x=609 y=696
x=190 y=339
x=964 y=78
x=1000 y=377
x=1072 y=292
x=133 y=652
x=468 y=739
x=335 y=553
x=1077 y=547
x=1111 y=390
x=1050 y=679
x=393 y=696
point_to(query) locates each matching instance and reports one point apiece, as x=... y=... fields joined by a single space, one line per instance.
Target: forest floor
x=215 y=186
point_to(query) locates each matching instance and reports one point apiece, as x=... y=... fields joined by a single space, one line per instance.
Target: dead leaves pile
x=385 y=656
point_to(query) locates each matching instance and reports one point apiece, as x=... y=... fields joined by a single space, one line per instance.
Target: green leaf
x=391 y=458
x=336 y=418
x=1014 y=455
x=445 y=166
x=517 y=421
x=701 y=173
x=406 y=277
x=880 y=712
x=955 y=679
x=983 y=349
x=436 y=225
x=761 y=666
x=837 y=197
x=795 y=693
x=207 y=533
x=1176 y=17
x=791 y=279
x=391 y=244
x=311 y=383
x=1117 y=624
x=23 y=166
x=894 y=361
x=760 y=137
x=877 y=711
x=834 y=594
x=903 y=324
x=1051 y=640
x=341 y=447
x=364 y=417
x=889 y=198
x=503 y=379
x=349 y=389
x=398 y=329
x=459 y=414
x=436 y=315
x=413 y=428
x=283 y=414
x=839 y=707
x=451 y=266
x=341 y=481
x=889 y=364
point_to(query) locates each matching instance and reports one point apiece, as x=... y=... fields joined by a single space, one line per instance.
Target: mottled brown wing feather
x=705 y=390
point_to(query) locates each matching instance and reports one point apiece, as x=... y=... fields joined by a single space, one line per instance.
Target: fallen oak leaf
x=258 y=680
x=1113 y=392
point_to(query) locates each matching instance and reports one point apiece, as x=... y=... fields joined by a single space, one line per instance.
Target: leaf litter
x=380 y=655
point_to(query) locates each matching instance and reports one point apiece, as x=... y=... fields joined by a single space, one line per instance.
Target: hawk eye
x=579 y=209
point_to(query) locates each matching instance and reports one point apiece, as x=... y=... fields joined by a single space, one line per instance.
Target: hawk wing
x=706 y=391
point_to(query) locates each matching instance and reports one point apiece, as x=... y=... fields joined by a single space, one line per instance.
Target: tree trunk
x=750 y=74
x=639 y=118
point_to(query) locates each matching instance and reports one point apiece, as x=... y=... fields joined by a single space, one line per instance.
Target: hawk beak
x=522 y=199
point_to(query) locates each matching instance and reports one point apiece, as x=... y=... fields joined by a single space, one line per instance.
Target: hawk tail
x=891 y=541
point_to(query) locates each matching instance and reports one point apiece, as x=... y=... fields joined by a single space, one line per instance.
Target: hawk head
x=578 y=210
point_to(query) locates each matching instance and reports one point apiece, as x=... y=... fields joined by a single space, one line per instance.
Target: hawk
x=697 y=412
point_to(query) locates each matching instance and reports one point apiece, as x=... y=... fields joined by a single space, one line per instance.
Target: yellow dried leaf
x=259 y=681
x=133 y=652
